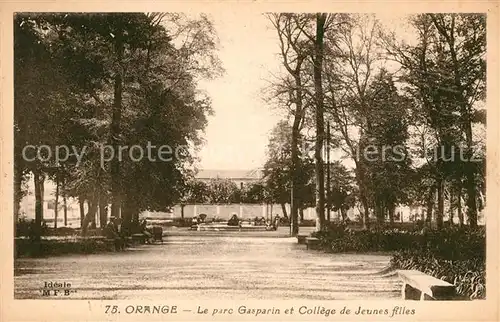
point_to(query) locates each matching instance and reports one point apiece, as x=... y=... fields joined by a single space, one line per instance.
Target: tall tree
x=343 y=191
x=278 y=168
x=222 y=191
x=445 y=71
x=320 y=122
x=122 y=81
x=351 y=56
x=389 y=168
x=294 y=50
x=465 y=37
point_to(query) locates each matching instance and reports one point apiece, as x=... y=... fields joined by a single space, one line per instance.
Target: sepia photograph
x=240 y=156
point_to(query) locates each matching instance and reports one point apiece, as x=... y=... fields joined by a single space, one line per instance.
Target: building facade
x=240 y=177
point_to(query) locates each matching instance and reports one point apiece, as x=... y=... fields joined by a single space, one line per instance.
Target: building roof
x=254 y=174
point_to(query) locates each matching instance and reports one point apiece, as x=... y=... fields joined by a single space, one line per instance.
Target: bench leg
x=410 y=293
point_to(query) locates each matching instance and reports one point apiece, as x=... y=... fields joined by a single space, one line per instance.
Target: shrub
x=28 y=248
x=25 y=227
x=457 y=255
x=452 y=244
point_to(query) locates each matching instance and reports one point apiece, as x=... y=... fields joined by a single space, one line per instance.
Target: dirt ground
x=202 y=265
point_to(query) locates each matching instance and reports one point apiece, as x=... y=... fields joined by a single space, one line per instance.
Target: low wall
x=249 y=211
x=245 y=211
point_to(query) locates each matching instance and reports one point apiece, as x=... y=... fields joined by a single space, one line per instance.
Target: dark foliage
x=456 y=255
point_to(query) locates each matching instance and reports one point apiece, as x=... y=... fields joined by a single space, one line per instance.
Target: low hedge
x=452 y=243
x=30 y=248
x=457 y=255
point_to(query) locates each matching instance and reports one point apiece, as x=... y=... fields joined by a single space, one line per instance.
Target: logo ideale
x=57 y=289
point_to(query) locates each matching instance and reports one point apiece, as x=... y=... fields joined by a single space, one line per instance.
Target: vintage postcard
x=249 y=160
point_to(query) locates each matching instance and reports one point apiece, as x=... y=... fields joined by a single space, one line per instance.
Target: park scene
x=323 y=156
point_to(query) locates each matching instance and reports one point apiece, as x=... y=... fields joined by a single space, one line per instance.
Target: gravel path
x=203 y=267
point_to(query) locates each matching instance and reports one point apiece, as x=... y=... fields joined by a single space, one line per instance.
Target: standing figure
x=277 y=220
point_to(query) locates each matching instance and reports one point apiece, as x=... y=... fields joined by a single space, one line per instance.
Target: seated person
x=202 y=218
x=260 y=221
x=111 y=232
x=234 y=221
x=145 y=231
x=158 y=233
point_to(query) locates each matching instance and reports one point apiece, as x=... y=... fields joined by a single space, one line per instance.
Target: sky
x=237 y=134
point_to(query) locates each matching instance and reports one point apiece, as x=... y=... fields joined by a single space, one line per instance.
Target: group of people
x=115 y=230
x=235 y=221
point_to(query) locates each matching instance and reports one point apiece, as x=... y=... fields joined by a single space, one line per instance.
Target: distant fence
x=245 y=211
x=250 y=211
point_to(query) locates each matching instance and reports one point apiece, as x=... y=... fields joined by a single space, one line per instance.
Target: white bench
x=301 y=239
x=423 y=287
x=312 y=243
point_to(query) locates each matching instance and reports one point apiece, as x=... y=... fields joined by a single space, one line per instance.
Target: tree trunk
x=56 y=203
x=471 y=197
x=467 y=124
x=37 y=230
x=452 y=206
x=294 y=200
x=430 y=204
x=103 y=211
x=440 y=197
x=18 y=191
x=91 y=213
x=42 y=192
x=392 y=211
x=459 y=208
x=366 y=212
x=379 y=209
x=129 y=212
x=320 y=126
x=91 y=220
x=328 y=183
x=360 y=178
x=115 y=126
x=182 y=212
x=301 y=214
x=81 y=203
x=343 y=213
x=283 y=209
x=65 y=204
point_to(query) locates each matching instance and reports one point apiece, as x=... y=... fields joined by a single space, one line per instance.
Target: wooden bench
x=157 y=232
x=312 y=243
x=140 y=238
x=423 y=287
x=301 y=239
